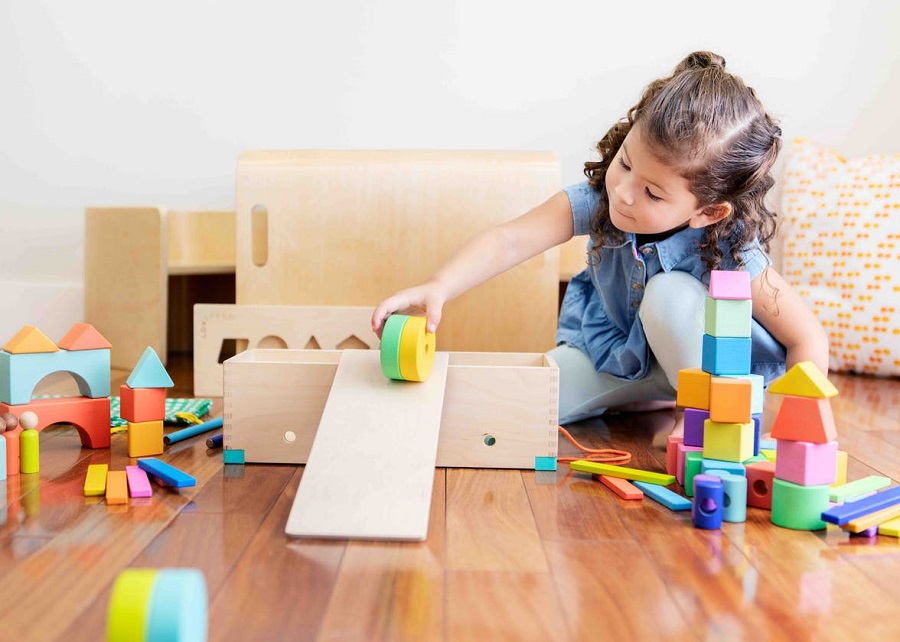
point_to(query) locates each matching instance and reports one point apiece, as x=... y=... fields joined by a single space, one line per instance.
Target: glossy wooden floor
x=511 y=555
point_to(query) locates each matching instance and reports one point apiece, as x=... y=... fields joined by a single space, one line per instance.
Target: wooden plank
x=319 y=247
x=371 y=467
x=294 y=326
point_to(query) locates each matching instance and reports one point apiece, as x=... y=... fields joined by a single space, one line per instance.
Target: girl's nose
x=623 y=191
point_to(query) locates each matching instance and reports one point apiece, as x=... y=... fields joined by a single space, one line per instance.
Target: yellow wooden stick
x=95 y=482
x=860 y=524
x=634 y=474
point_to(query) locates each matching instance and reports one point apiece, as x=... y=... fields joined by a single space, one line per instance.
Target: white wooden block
x=371 y=469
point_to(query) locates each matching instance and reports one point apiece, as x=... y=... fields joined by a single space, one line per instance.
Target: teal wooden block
x=726 y=355
x=3 y=463
x=150 y=372
x=233 y=456
x=735 y=503
x=798 y=507
x=728 y=318
x=758 y=391
x=733 y=467
x=666 y=497
x=20 y=373
x=545 y=463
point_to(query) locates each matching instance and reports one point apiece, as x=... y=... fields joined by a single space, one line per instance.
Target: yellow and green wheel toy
x=407 y=348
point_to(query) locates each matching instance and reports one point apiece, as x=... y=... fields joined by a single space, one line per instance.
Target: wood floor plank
x=490 y=524
x=391 y=590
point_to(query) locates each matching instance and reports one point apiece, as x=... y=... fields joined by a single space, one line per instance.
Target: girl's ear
x=710 y=214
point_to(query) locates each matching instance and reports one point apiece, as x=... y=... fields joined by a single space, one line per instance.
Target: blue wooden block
x=757 y=433
x=666 y=497
x=235 y=456
x=150 y=372
x=726 y=355
x=169 y=474
x=735 y=500
x=758 y=391
x=20 y=373
x=709 y=501
x=733 y=467
x=844 y=513
x=2 y=459
x=545 y=463
x=767 y=444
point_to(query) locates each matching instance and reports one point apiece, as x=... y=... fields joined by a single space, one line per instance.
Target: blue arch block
x=20 y=373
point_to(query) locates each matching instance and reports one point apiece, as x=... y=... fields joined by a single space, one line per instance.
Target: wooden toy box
x=500 y=409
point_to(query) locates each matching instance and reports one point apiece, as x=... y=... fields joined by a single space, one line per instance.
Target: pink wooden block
x=806 y=463
x=724 y=284
x=682 y=450
x=760 y=479
x=672 y=453
x=138 y=482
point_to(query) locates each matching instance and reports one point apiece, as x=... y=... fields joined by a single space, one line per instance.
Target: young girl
x=678 y=191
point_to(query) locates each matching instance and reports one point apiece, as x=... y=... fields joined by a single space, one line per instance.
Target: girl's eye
x=653 y=197
x=622 y=163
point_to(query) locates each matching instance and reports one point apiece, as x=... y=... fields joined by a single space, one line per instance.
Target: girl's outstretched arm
x=486 y=255
x=778 y=307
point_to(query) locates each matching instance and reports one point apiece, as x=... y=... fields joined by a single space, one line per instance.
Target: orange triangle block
x=805 y=419
x=804 y=380
x=83 y=336
x=28 y=340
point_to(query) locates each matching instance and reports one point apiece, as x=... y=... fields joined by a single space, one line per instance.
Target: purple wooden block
x=869 y=532
x=693 y=426
x=726 y=284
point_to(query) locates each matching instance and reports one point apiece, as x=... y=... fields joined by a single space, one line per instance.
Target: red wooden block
x=672 y=452
x=89 y=416
x=142 y=404
x=760 y=480
x=805 y=419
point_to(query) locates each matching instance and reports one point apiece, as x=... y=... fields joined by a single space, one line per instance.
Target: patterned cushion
x=841 y=234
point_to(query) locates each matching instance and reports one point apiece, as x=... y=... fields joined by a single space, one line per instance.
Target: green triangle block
x=150 y=372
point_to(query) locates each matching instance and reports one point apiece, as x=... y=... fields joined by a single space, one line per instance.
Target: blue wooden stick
x=199 y=429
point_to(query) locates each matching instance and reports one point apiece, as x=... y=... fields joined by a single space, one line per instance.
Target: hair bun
x=701 y=60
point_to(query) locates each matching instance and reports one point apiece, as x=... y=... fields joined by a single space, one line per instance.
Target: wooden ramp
x=371 y=468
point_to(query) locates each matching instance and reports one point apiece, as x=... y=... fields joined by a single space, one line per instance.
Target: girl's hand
x=423 y=300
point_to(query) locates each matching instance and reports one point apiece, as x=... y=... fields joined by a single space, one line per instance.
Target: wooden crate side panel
x=265 y=401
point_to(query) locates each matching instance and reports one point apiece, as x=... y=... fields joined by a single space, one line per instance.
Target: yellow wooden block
x=728 y=441
x=877 y=518
x=416 y=350
x=841 y=477
x=768 y=454
x=95 y=482
x=891 y=528
x=804 y=380
x=634 y=474
x=145 y=438
x=693 y=388
x=30 y=340
x=116 y=487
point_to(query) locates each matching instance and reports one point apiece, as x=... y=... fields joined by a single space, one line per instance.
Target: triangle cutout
x=150 y=372
x=84 y=336
x=30 y=340
x=804 y=380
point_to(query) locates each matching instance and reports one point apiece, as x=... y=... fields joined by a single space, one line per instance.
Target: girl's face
x=647 y=196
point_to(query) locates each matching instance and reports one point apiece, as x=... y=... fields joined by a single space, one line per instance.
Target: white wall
x=111 y=102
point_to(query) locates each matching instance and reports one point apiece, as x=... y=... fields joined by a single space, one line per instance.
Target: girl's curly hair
x=709 y=125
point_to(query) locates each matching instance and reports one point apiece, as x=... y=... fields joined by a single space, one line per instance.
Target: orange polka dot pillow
x=841 y=232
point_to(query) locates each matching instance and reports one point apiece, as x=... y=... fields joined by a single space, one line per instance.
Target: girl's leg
x=672 y=316
x=584 y=392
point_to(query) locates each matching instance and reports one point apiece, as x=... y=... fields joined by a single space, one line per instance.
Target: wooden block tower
x=143 y=405
x=722 y=401
x=807 y=451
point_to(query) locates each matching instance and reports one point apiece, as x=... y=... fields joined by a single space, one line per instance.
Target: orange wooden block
x=805 y=419
x=83 y=336
x=145 y=438
x=693 y=388
x=142 y=404
x=621 y=487
x=116 y=487
x=30 y=340
x=89 y=416
x=730 y=400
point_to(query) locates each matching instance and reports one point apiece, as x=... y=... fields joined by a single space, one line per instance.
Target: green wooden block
x=728 y=318
x=799 y=507
x=754 y=459
x=859 y=488
x=693 y=465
